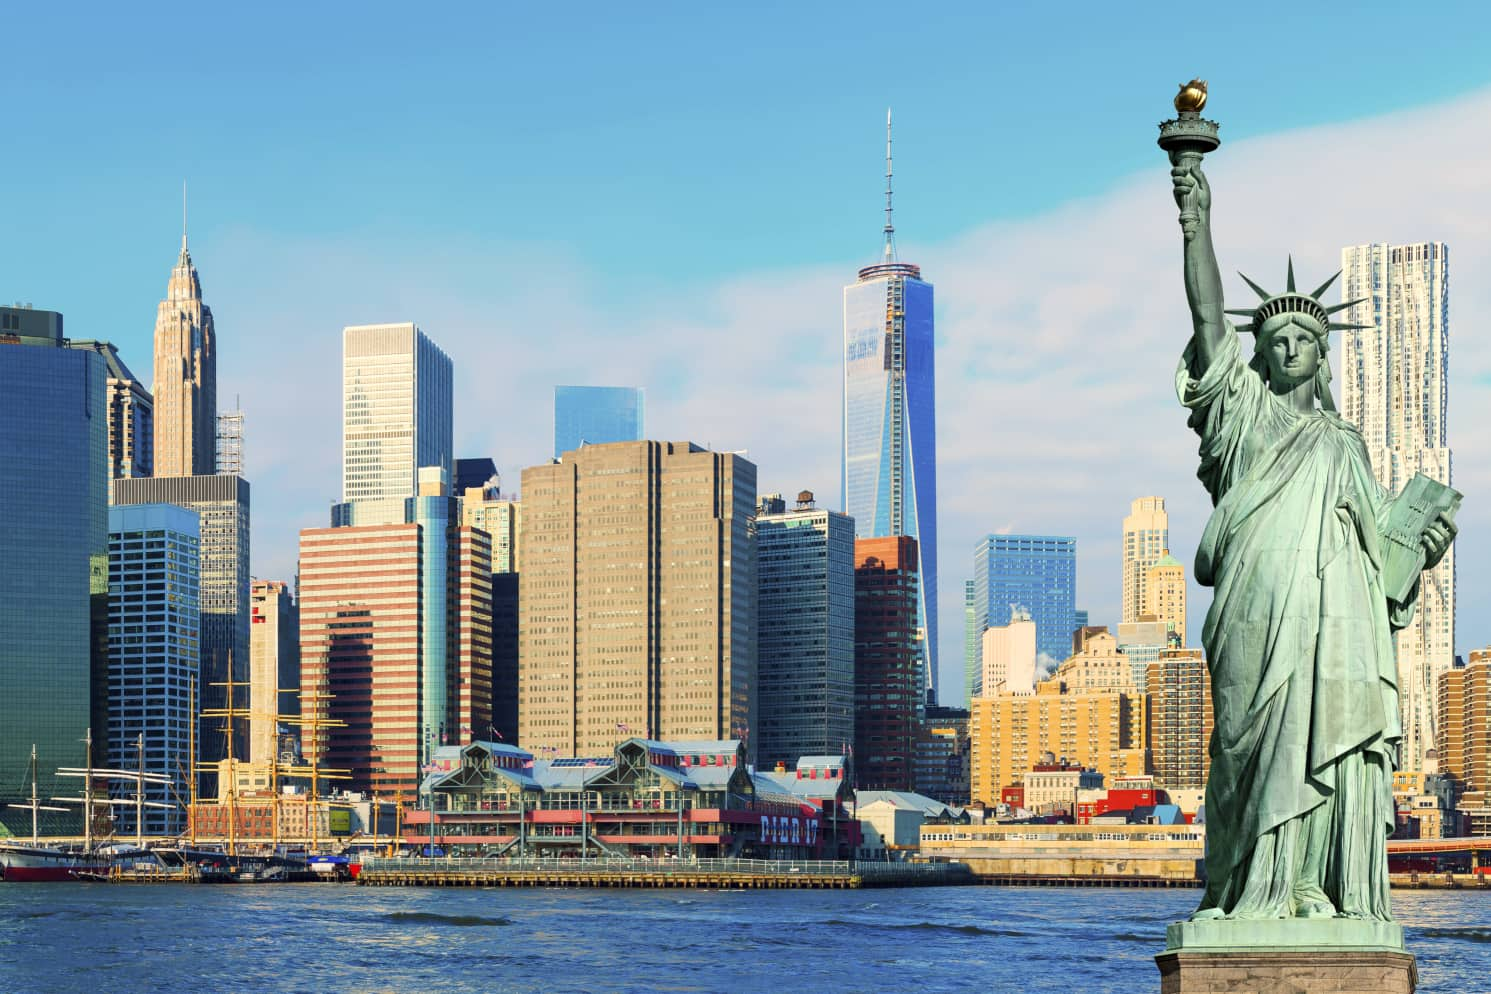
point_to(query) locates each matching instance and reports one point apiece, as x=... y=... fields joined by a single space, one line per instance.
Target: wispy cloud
x=1058 y=336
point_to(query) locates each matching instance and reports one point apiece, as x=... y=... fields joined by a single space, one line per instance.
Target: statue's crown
x=1291 y=301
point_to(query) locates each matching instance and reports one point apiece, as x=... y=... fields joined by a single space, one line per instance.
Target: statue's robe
x=1299 y=644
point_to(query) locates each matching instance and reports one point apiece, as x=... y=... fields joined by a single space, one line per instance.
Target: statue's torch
x=1187 y=138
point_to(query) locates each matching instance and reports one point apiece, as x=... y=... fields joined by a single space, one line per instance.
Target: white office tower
x=1395 y=388
x=396 y=418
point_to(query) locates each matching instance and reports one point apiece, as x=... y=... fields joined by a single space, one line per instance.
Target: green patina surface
x=1299 y=634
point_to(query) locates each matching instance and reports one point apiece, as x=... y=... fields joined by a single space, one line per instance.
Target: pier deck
x=732 y=874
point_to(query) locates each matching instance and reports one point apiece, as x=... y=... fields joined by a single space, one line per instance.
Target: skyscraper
x=637 y=597
x=1034 y=573
x=396 y=416
x=222 y=503
x=887 y=664
x=1165 y=594
x=597 y=415
x=890 y=419
x=1146 y=537
x=1180 y=718
x=274 y=665
x=185 y=386
x=1395 y=388
x=805 y=658
x=153 y=662
x=54 y=570
x=131 y=415
x=395 y=623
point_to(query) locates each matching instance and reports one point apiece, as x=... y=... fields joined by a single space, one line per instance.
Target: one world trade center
x=890 y=420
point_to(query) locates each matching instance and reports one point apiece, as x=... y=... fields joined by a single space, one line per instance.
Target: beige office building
x=185 y=386
x=1146 y=536
x=1180 y=719
x=637 y=597
x=1089 y=711
x=274 y=665
x=1009 y=658
x=1165 y=594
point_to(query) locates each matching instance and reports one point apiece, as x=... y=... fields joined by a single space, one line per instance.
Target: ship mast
x=88 y=794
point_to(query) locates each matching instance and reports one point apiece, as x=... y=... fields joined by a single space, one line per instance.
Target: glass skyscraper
x=805 y=641
x=890 y=419
x=222 y=504
x=595 y=415
x=153 y=655
x=54 y=567
x=1037 y=573
x=396 y=415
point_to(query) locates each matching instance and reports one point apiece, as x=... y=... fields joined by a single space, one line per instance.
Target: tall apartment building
x=805 y=654
x=1464 y=705
x=54 y=570
x=274 y=665
x=185 y=385
x=1395 y=388
x=131 y=415
x=153 y=662
x=1146 y=537
x=1009 y=657
x=637 y=597
x=1088 y=711
x=222 y=505
x=887 y=662
x=396 y=416
x=1036 y=574
x=1165 y=594
x=942 y=756
x=890 y=416
x=597 y=416
x=395 y=626
x=1180 y=719
x=972 y=635
x=1464 y=744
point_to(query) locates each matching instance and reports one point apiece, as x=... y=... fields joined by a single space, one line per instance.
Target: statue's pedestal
x=1286 y=956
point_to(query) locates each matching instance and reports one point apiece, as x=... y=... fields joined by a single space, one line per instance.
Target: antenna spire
x=183 y=217
x=890 y=228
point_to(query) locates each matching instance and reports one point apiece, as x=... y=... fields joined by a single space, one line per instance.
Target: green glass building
x=53 y=556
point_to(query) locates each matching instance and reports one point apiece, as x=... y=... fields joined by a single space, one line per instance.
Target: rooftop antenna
x=890 y=228
x=183 y=217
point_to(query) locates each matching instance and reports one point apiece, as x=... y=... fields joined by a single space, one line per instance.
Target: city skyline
x=1026 y=284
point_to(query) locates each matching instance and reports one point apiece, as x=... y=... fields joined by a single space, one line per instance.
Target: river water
x=104 y=938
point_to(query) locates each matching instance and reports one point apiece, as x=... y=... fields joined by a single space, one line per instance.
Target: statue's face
x=1293 y=354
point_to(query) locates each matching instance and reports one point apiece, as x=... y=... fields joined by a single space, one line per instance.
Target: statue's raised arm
x=1203 y=279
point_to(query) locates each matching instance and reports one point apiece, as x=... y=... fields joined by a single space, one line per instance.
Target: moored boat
x=21 y=863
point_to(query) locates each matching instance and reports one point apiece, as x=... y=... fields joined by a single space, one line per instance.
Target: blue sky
x=643 y=187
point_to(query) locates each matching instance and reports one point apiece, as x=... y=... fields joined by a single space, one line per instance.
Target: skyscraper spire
x=890 y=228
x=183 y=217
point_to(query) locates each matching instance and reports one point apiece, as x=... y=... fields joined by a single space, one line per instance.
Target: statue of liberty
x=1299 y=635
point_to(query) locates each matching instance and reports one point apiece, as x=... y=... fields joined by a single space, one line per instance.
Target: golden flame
x=1192 y=96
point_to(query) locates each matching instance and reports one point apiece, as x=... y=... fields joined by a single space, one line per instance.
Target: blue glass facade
x=1034 y=572
x=890 y=422
x=153 y=655
x=53 y=561
x=596 y=415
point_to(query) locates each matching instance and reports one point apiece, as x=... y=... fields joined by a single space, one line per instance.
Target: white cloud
x=1058 y=336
